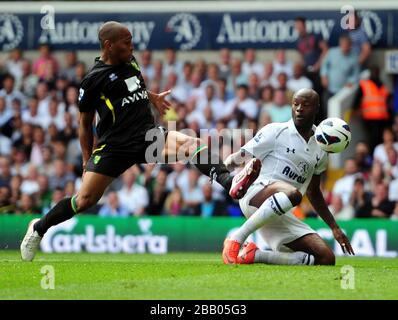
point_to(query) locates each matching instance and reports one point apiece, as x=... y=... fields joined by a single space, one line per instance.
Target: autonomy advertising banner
x=159 y=235
x=190 y=31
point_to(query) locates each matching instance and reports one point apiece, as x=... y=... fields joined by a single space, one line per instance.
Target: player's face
x=123 y=47
x=303 y=111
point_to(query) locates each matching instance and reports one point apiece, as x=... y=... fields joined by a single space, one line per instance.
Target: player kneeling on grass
x=292 y=163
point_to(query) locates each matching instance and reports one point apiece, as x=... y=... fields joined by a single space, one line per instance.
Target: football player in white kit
x=292 y=163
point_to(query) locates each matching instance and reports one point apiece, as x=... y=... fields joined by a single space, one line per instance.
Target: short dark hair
x=300 y=19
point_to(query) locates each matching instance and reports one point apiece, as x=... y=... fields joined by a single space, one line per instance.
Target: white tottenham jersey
x=286 y=156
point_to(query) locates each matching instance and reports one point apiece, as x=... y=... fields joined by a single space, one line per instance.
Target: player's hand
x=160 y=102
x=342 y=239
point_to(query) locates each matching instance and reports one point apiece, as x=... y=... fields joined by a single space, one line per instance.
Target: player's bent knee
x=295 y=196
x=327 y=258
x=83 y=202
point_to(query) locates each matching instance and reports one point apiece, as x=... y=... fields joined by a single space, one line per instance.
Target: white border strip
x=192 y=6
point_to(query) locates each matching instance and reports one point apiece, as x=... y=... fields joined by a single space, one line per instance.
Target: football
x=333 y=135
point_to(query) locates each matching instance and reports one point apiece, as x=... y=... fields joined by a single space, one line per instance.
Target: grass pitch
x=186 y=276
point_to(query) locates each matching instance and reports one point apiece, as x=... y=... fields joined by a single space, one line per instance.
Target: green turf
x=189 y=276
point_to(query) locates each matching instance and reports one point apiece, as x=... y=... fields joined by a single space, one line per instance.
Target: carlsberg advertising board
x=159 y=235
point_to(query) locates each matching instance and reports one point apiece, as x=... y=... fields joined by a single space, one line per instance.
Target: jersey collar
x=293 y=130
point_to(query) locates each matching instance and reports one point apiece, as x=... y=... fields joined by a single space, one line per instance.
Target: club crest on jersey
x=303 y=167
x=288 y=172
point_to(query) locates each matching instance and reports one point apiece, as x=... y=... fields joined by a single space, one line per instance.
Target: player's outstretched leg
x=93 y=186
x=273 y=201
x=250 y=253
x=179 y=146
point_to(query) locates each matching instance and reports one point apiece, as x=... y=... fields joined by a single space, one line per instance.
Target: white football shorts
x=280 y=231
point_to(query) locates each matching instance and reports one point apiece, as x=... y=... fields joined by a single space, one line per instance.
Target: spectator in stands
x=24 y=142
x=61 y=175
x=313 y=49
x=279 y=110
x=237 y=76
x=340 y=211
x=36 y=155
x=14 y=66
x=112 y=207
x=363 y=157
x=44 y=195
x=80 y=72
x=223 y=93
x=5 y=171
x=29 y=80
x=360 y=199
x=29 y=184
x=240 y=108
x=46 y=66
x=32 y=114
x=360 y=42
x=282 y=85
x=211 y=101
x=390 y=167
x=15 y=186
x=26 y=204
x=253 y=85
x=344 y=186
x=250 y=65
x=6 y=114
x=174 y=203
x=192 y=196
x=5 y=144
x=10 y=93
x=268 y=77
x=133 y=196
x=210 y=207
x=382 y=207
x=225 y=63
x=380 y=152
x=340 y=68
x=5 y=200
x=69 y=71
x=171 y=63
x=159 y=194
x=146 y=66
x=282 y=65
x=373 y=101
x=299 y=80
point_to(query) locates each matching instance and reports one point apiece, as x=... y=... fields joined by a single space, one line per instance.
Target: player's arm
x=159 y=101
x=315 y=196
x=86 y=135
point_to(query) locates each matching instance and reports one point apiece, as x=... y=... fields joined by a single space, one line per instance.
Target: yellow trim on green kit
x=110 y=106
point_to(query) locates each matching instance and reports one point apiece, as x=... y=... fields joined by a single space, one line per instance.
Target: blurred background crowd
x=40 y=156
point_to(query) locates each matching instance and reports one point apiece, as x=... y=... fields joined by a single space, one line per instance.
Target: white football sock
x=285 y=258
x=272 y=207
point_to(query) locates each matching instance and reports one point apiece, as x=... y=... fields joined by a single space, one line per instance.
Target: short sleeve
x=322 y=164
x=262 y=143
x=89 y=97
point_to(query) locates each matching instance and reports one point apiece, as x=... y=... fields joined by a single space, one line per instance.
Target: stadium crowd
x=40 y=156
